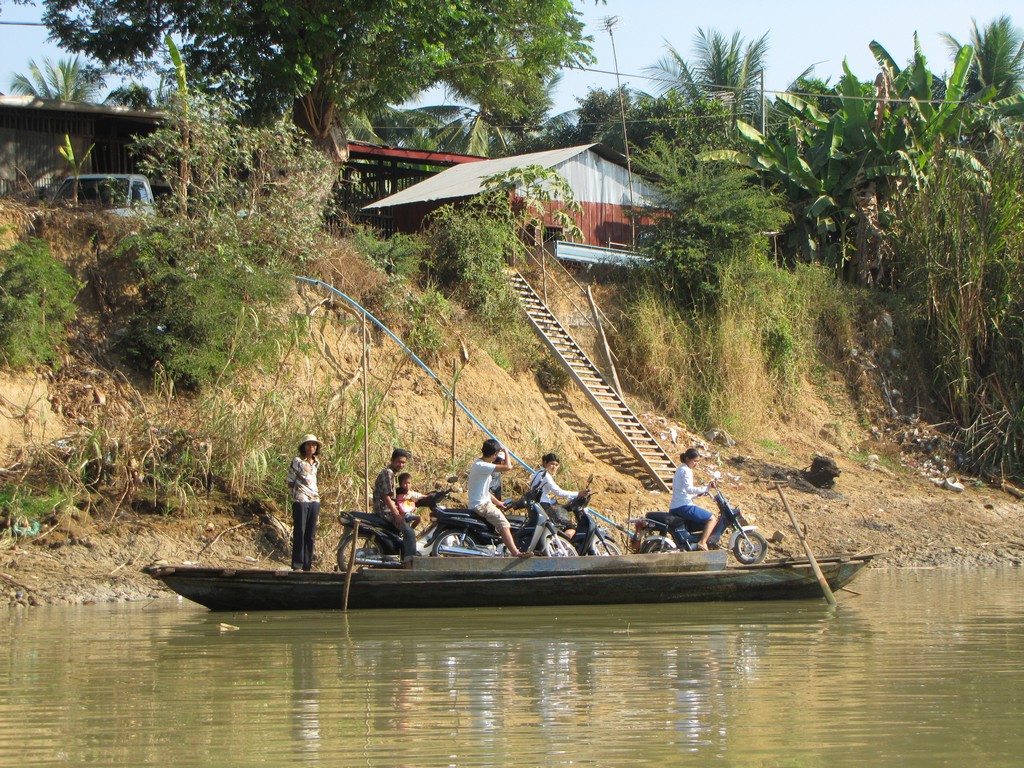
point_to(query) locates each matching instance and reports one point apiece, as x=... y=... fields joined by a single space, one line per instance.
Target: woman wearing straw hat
x=305 y=502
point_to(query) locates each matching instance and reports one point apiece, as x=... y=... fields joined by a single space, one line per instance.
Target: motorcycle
x=379 y=543
x=589 y=538
x=461 y=533
x=654 y=534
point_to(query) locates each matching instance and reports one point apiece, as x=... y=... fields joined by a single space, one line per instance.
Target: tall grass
x=746 y=361
x=962 y=254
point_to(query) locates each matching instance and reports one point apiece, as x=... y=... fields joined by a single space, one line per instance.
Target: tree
x=696 y=125
x=703 y=215
x=325 y=59
x=727 y=69
x=998 y=58
x=61 y=80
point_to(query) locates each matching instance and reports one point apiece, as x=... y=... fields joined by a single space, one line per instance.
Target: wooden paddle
x=829 y=597
x=351 y=563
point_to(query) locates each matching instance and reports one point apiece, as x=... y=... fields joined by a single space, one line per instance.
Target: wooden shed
x=597 y=175
x=32 y=130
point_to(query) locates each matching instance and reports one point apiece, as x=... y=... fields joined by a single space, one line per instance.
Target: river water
x=924 y=668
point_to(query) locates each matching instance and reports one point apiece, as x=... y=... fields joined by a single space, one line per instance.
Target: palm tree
x=725 y=69
x=998 y=57
x=63 y=80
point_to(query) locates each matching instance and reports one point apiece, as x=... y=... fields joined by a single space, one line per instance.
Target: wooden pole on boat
x=455 y=383
x=366 y=421
x=829 y=597
x=351 y=564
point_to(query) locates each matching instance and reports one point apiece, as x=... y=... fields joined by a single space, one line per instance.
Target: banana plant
x=839 y=171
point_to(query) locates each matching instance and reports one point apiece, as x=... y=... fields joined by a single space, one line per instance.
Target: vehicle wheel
x=368 y=550
x=753 y=552
x=656 y=545
x=560 y=547
x=605 y=548
x=447 y=539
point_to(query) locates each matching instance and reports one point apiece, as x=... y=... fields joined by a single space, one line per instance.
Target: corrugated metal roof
x=594 y=254
x=467 y=179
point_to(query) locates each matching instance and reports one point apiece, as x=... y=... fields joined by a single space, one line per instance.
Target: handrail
x=582 y=290
x=366 y=313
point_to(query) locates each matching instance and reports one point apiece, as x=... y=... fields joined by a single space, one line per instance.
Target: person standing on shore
x=305 y=502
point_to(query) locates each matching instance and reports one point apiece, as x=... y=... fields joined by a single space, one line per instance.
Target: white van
x=119 y=193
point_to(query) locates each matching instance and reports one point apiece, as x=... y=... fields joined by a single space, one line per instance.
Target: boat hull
x=497 y=582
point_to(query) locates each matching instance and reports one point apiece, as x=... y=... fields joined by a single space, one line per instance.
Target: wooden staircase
x=640 y=442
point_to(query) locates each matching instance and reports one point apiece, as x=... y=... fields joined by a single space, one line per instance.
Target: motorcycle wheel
x=448 y=539
x=560 y=547
x=368 y=550
x=753 y=552
x=604 y=548
x=655 y=545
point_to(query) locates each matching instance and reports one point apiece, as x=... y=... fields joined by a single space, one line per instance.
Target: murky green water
x=926 y=668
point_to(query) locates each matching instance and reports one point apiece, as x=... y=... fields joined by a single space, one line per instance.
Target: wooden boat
x=492 y=582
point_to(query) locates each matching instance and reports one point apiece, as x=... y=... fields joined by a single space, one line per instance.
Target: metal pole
x=604 y=341
x=610 y=23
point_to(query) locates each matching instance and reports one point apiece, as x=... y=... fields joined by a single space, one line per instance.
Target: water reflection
x=924 y=665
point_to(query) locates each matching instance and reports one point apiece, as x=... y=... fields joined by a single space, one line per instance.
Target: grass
x=773 y=448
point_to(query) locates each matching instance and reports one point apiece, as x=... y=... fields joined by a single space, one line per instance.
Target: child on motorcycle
x=406 y=498
x=544 y=479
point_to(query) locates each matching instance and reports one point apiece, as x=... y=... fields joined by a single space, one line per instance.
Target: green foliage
x=704 y=216
x=726 y=68
x=694 y=125
x=741 y=363
x=427 y=313
x=61 y=80
x=998 y=58
x=260 y=189
x=539 y=193
x=470 y=245
x=196 y=317
x=332 y=58
x=962 y=258
x=839 y=170
x=23 y=509
x=399 y=255
x=36 y=303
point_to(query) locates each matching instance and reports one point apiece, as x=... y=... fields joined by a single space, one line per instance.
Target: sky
x=799 y=33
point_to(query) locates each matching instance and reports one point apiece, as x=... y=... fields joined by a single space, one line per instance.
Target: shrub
x=36 y=302
x=262 y=189
x=961 y=257
x=398 y=255
x=198 y=319
x=469 y=247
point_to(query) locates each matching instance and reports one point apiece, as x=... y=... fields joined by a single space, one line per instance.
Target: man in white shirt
x=684 y=492
x=483 y=503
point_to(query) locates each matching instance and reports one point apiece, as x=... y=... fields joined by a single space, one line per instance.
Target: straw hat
x=309 y=439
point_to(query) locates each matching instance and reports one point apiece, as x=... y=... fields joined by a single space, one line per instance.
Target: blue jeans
x=691 y=513
x=304 y=518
